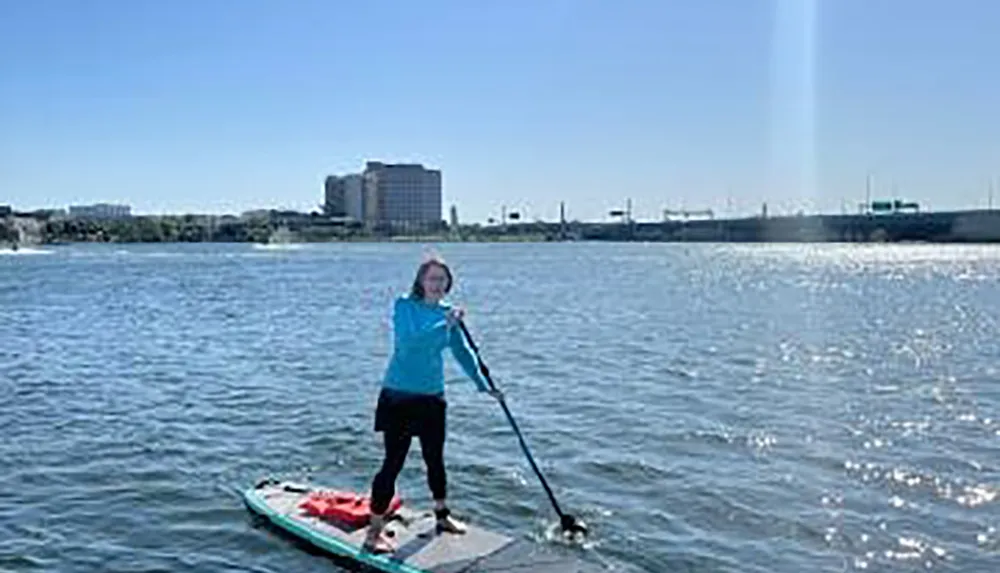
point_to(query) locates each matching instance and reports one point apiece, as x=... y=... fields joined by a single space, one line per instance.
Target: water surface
x=775 y=408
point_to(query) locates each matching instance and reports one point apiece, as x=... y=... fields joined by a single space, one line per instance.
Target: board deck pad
x=421 y=549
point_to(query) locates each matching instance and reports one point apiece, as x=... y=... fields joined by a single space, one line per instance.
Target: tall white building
x=354 y=196
x=402 y=194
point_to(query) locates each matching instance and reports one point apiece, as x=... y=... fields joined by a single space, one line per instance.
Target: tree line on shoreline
x=143 y=229
x=195 y=229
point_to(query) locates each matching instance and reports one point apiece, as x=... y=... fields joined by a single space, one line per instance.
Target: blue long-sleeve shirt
x=421 y=334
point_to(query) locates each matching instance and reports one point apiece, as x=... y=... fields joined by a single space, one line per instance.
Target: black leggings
x=397 y=445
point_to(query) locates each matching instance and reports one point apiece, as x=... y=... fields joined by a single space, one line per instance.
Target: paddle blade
x=573 y=526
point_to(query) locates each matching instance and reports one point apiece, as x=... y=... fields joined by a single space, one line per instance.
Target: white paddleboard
x=421 y=548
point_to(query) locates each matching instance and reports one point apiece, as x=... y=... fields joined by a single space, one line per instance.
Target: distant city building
x=344 y=196
x=454 y=217
x=334 y=197
x=100 y=211
x=354 y=196
x=401 y=194
x=256 y=214
x=47 y=214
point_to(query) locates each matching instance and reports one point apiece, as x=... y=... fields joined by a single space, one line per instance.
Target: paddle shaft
x=510 y=418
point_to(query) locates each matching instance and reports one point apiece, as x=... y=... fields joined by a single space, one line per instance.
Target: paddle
x=568 y=522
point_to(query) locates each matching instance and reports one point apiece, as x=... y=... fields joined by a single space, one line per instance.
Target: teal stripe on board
x=326 y=542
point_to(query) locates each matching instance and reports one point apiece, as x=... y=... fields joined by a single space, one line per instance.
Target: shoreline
x=305 y=241
x=977 y=226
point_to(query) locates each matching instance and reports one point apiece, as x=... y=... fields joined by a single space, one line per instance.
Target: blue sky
x=228 y=105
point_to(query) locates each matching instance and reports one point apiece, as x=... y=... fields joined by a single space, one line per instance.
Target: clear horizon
x=195 y=107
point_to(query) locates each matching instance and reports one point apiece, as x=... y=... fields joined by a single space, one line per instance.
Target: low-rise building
x=100 y=211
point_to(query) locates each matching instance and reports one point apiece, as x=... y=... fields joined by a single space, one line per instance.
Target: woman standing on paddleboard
x=411 y=402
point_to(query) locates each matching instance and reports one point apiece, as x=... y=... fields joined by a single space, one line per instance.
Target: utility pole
x=868 y=193
x=562 y=220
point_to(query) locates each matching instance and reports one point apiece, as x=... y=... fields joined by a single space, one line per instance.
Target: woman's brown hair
x=417 y=290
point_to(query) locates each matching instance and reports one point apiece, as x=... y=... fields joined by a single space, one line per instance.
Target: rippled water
x=704 y=408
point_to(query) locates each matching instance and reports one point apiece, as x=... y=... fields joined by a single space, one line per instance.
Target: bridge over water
x=950 y=226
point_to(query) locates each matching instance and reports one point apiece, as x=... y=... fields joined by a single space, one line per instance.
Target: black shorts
x=401 y=413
